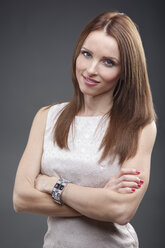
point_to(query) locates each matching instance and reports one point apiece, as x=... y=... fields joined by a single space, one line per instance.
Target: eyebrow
x=104 y=57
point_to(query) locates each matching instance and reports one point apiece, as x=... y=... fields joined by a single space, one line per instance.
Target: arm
x=107 y=205
x=125 y=181
x=26 y=198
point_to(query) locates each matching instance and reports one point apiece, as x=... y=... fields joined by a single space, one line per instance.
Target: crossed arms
x=113 y=203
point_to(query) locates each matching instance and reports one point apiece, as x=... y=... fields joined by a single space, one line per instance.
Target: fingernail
x=141 y=181
x=139 y=185
x=138 y=172
x=133 y=190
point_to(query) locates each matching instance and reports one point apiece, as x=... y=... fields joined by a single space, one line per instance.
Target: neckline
x=88 y=116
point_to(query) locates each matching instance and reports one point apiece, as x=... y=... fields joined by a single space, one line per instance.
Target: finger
x=127 y=184
x=124 y=171
x=131 y=178
x=126 y=190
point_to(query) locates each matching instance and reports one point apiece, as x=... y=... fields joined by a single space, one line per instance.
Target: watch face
x=61 y=187
x=57 y=186
x=58 y=196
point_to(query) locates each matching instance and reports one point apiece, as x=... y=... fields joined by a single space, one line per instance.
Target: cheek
x=79 y=68
x=80 y=64
x=110 y=75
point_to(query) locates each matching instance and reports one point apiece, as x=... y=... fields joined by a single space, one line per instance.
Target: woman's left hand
x=45 y=183
x=126 y=181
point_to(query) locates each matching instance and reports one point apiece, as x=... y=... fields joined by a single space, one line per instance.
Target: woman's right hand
x=126 y=181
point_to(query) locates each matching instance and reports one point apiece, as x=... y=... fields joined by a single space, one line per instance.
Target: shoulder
x=43 y=111
x=39 y=120
x=150 y=129
x=48 y=112
x=147 y=137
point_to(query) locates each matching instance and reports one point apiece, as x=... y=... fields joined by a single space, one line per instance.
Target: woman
x=92 y=154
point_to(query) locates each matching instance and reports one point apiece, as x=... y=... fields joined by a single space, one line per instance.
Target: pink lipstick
x=89 y=81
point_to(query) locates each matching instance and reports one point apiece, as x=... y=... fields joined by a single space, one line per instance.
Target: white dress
x=80 y=166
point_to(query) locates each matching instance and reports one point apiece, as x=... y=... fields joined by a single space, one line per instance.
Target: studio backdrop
x=36 y=46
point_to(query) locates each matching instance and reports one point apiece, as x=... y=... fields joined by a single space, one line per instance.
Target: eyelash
x=112 y=62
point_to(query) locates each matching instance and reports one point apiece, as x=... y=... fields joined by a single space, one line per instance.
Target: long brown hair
x=132 y=101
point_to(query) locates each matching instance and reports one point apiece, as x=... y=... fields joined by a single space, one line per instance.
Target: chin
x=88 y=92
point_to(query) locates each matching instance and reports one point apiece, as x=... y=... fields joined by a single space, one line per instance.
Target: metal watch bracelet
x=58 y=189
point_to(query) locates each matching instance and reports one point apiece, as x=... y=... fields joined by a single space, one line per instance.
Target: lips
x=90 y=81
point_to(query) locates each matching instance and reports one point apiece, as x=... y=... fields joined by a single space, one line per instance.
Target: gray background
x=36 y=45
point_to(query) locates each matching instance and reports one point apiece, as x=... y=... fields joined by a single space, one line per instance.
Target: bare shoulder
x=38 y=125
x=150 y=128
x=41 y=116
x=42 y=112
x=148 y=136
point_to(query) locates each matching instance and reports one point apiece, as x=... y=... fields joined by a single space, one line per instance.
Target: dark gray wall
x=36 y=42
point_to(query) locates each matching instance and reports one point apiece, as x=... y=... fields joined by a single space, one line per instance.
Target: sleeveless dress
x=80 y=165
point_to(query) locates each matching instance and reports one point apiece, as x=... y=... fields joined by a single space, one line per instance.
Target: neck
x=96 y=105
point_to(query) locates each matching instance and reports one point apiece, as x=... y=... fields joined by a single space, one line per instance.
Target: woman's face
x=98 y=64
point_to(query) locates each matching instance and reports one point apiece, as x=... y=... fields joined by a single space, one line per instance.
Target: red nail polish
x=138 y=172
x=139 y=185
x=141 y=181
x=133 y=190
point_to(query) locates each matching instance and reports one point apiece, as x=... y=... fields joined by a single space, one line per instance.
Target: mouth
x=90 y=81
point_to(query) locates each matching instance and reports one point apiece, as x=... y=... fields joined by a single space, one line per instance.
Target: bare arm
x=26 y=198
x=97 y=203
x=107 y=205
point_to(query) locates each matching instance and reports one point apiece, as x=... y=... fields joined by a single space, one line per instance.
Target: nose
x=92 y=68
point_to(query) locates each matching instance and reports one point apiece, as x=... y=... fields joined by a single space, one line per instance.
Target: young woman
x=89 y=159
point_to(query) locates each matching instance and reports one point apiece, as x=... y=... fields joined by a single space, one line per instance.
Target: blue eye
x=109 y=62
x=86 y=54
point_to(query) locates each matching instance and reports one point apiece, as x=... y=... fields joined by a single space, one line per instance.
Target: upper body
x=115 y=206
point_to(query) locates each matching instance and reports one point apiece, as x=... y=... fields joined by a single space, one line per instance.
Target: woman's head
x=133 y=80
x=98 y=66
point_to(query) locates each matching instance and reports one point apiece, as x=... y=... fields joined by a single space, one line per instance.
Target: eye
x=109 y=62
x=86 y=54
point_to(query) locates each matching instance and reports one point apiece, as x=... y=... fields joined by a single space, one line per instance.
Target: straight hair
x=132 y=100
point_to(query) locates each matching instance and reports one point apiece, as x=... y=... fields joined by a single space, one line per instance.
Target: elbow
x=114 y=214
x=119 y=214
x=121 y=217
x=117 y=210
x=122 y=220
x=18 y=202
x=17 y=208
x=124 y=215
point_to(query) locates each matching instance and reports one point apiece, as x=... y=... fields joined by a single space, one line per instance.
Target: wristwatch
x=58 y=189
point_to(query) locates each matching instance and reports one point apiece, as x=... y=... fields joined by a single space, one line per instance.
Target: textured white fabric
x=80 y=165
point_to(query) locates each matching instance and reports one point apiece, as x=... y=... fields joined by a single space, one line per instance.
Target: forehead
x=102 y=44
